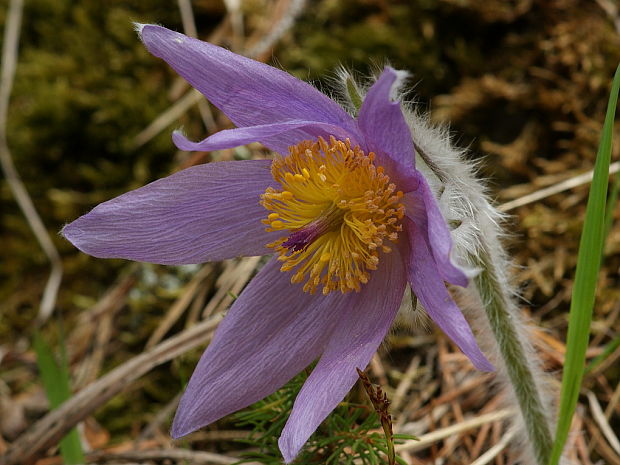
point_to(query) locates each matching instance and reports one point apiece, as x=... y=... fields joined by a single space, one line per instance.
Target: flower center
x=337 y=209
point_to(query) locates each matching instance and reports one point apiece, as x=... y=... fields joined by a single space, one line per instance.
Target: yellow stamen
x=339 y=210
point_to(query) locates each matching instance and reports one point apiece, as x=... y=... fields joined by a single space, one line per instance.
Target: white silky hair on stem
x=477 y=236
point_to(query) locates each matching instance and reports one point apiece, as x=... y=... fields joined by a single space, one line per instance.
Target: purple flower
x=342 y=207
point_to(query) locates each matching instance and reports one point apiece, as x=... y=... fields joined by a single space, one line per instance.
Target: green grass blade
x=611 y=203
x=55 y=379
x=588 y=264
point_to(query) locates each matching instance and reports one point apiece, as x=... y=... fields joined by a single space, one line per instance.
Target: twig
x=496 y=449
x=167 y=118
x=230 y=283
x=187 y=18
x=613 y=402
x=9 y=62
x=178 y=455
x=189 y=27
x=95 y=326
x=611 y=8
x=287 y=20
x=52 y=427
x=555 y=189
x=236 y=21
x=160 y=417
x=603 y=424
x=179 y=306
x=609 y=456
x=428 y=439
x=405 y=383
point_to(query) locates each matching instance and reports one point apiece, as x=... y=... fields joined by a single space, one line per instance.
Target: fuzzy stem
x=512 y=351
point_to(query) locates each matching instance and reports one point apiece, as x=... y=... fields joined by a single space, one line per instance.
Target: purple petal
x=248 y=92
x=423 y=209
x=272 y=332
x=362 y=324
x=204 y=213
x=383 y=124
x=279 y=136
x=429 y=287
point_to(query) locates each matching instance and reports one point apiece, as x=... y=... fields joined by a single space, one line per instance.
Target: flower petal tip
x=180 y=426
x=399 y=78
x=484 y=365
x=72 y=233
x=64 y=230
x=138 y=28
x=288 y=449
x=182 y=142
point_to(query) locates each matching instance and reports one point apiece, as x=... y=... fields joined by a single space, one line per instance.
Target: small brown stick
x=582 y=450
x=611 y=8
x=427 y=392
x=614 y=403
x=187 y=18
x=162 y=415
x=178 y=455
x=603 y=424
x=380 y=402
x=609 y=361
x=497 y=430
x=378 y=370
x=167 y=118
x=218 y=435
x=235 y=15
x=426 y=423
x=455 y=406
x=179 y=306
x=96 y=325
x=235 y=276
x=189 y=27
x=574 y=442
x=52 y=427
x=405 y=383
x=431 y=438
x=601 y=446
x=494 y=451
x=457 y=392
x=293 y=9
x=485 y=429
x=193 y=315
x=555 y=189
x=609 y=322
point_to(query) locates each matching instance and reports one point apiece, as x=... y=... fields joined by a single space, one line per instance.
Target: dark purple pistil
x=301 y=238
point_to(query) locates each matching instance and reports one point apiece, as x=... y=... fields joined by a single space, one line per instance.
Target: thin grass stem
x=586 y=275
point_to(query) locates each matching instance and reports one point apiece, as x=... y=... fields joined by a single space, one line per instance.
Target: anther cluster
x=337 y=209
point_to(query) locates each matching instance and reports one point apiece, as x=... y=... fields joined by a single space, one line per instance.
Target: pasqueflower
x=348 y=218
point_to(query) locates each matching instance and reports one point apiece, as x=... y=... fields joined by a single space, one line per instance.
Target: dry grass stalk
x=570 y=183
x=182 y=303
x=176 y=455
x=51 y=428
x=431 y=438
